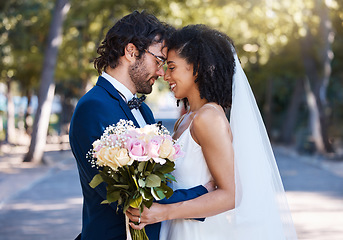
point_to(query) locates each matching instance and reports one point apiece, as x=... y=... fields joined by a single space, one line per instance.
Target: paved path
x=45 y=202
x=46 y=207
x=315 y=194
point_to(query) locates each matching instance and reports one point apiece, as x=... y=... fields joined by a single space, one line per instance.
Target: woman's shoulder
x=210 y=113
x=209 y=121
x=210 y=116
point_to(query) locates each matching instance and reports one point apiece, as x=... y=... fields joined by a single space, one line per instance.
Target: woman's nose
x=166 y=75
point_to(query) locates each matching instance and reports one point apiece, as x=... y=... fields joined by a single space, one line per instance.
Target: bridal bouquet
x=135 y=163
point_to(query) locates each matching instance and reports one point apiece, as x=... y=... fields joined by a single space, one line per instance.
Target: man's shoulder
x=96 y=94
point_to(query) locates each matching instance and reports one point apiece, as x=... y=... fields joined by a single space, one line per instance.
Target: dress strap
x=178 y=122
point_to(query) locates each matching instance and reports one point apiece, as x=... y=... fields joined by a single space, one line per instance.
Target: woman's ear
x=131 y=52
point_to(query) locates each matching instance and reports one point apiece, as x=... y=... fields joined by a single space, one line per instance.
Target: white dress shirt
x=127 y=95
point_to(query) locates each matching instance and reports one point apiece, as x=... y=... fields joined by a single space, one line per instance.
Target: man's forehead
x=159 y=48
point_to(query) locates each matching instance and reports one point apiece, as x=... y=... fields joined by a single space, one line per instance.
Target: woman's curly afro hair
x=212 y=55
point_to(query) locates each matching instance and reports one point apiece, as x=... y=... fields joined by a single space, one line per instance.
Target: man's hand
x=156 y=213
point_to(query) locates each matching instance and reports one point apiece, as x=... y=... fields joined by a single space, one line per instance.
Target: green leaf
x=97 y=179
x=161 y=176
x=153 y=181
x=135 y=203
x=141 y=183
x=141 y=166
x=105 y=202
x=168 y=167
x=160 y=193
x=125 y=186
x=146 y=194
x=148 y=204
x=167 y=190
x=169 y=176
x=150 y=166
x=113 y=196
x=154 y=194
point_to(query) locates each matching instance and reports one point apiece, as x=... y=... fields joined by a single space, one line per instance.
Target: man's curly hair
x=212 y=54
x=139 y=28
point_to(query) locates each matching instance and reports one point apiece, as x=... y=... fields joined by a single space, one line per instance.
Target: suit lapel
x=102 y=82
x=146 y=113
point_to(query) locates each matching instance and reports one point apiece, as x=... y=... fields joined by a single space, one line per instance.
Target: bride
x=249 y=201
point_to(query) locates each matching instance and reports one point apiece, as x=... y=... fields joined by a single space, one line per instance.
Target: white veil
x=261 y=211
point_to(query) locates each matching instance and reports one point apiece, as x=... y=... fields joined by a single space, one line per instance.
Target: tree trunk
x=292 y=112
x=28 y=114
x=66 y=114
x=1 y=123
x=327 y=35
x=47 y=86
x=314 y=118
x=318 y=74
x=10 y=127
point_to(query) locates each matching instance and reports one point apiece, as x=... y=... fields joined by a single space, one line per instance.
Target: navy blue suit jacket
x=100 y=107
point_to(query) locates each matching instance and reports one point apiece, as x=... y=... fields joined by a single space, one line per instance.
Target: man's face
x=145 y=71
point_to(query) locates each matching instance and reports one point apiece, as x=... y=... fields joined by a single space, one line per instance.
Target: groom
x=131 y=59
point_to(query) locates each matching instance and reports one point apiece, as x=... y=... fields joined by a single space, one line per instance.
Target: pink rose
x=178 y=152
x=129 y=136
x=168 y=137
x=97 y=145
x=154 y=146
x=137 y=149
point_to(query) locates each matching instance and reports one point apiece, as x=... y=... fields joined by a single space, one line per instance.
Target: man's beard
x=140 y=77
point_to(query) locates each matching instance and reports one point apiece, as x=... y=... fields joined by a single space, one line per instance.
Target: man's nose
x=161 y=72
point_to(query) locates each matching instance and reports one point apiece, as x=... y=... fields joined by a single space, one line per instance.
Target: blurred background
x=291 y=51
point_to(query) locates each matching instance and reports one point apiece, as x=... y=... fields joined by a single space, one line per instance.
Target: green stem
x=138 y=234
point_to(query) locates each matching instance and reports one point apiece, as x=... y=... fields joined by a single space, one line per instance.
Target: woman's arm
x=211 y=130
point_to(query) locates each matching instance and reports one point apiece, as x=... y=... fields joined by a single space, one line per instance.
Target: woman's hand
x=156 y=213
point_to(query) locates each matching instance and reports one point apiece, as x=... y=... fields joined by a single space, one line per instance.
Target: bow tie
x=135 y=102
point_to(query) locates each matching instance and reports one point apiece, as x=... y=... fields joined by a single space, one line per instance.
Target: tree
x=47 y=87
x=317 y=56
x=22 y=34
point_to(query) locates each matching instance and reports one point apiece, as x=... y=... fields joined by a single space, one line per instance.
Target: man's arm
x=184 y=195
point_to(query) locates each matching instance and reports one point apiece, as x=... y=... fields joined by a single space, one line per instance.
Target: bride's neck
x=196 y=103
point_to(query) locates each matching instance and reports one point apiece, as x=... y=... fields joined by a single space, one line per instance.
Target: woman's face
x=180 y=76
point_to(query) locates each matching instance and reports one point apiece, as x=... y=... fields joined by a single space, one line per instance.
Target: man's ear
x=131 y=52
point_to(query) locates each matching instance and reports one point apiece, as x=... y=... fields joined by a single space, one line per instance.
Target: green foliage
x=136 y=186
x=266 y=35
x=140 y=183
x=23 y=30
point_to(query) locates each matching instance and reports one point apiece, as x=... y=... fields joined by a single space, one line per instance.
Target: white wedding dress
x=191 y=170
x=261 y=210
